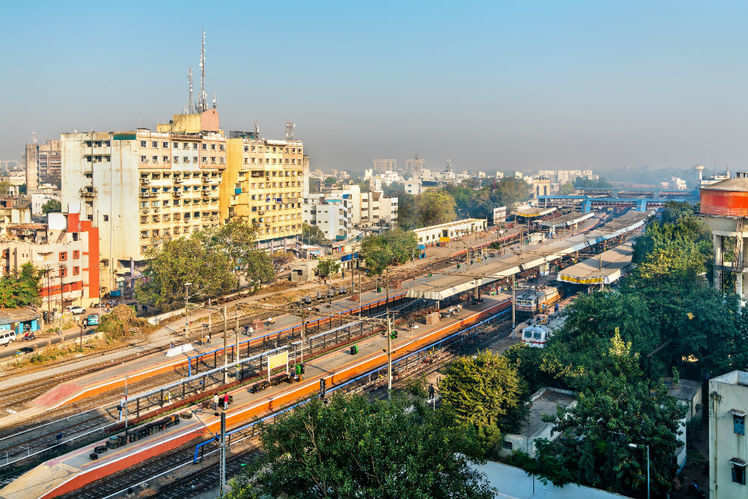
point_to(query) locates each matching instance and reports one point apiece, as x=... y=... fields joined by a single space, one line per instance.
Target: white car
x=77 y=310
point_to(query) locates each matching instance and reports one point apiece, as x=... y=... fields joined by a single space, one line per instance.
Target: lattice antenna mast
x=190 y=102
x=203 y=94
x=290 y=126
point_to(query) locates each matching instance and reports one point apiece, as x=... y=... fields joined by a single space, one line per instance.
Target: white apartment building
x=728 y=448
x=143 y=187
x=331 y=213
x=377 y=209
x=413 y=187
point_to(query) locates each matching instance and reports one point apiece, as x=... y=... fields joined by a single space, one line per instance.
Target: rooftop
x=686 y=389
x=737 y=184
x=11 y=315
x=545 y=402
x=732 y=378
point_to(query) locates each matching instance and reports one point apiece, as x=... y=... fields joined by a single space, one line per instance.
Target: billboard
x=499 y=215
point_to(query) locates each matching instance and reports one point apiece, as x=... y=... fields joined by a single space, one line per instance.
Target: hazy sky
x=490 y=85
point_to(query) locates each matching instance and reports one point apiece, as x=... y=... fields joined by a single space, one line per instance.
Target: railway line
x=205 y=478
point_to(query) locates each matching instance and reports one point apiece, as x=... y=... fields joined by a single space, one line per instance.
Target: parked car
x=6 y=337
x=77 y=310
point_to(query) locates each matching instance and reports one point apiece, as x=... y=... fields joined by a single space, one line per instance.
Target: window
x=63 y=256
x=143 y=159
x=154 y=158
x=142 y=143
x=213 y=147
x=738 y=424
x=76 y=270
x=76 y=254
x=154 y=144
x=205 y=146
x=738 y=470
x=166 y=145
x=63 y=271
x=166 y=159
x=106 y=218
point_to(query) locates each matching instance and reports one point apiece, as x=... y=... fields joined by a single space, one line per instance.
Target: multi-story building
x=264 y=184
x=383 y=165
x=728 y=447
x=377 y=209
x=143 y=187
x=413 y=187
x=330 y=213
x=541 y=186
x=65 y=249
x=414 y=166
x=14 y=210
x=43 y=164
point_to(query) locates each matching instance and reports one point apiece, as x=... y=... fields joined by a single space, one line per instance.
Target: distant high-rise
x=43 y=164
x=384 y=165
x=414 y=166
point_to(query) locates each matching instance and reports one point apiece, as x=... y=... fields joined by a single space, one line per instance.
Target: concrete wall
x=726 y=393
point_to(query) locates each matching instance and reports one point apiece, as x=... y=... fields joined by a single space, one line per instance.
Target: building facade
x=14 y=210
x=434 y=234
x=728 y=448
x=65 y=249
x=43 y=164
x=264 y=184
x=143 y=187
x=377 y=209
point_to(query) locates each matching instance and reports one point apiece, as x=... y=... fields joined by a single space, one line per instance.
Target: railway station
x=336 y=340
x=443 y=285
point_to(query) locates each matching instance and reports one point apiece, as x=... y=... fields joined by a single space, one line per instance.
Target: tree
x=407 y=212
x=509 y=191
x=184 y=260
x=389 y=248
x=484 y=392
x=593 y=445
x=237 y=240
x=566 y=189
x=311 y=234
x=435 y=207
x=330 y=181
x=328 y=267
x=20 y=290
x=353 y=447
x=52 y=205
x=5 y=187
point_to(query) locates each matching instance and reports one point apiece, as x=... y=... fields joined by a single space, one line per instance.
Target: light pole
x=646 y=447
x=187 y=308
x=389 y=332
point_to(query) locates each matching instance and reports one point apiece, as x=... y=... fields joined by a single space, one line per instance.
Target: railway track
x=145 y=476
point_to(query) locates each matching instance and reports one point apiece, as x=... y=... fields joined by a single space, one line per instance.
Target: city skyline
x=489 y=86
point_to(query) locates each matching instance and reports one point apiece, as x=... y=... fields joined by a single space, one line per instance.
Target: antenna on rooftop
x=203 y=105
x=190 y=102
x=34 y=137
x=257 y=130
x=290 y=126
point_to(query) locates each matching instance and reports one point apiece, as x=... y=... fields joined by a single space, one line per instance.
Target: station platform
x=72 y=471
x=443 y=285
x=605 y=268
x=115 y=377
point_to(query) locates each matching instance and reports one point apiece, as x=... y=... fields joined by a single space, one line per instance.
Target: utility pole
x=236 y=335
x=514 y=303
x=222 y=471
x=126 y=415
x=187 y=308
x=225 y=356
x=389 y=332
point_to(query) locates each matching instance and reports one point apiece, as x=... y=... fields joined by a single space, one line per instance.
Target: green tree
x=393 y=247
x=566 y=189
x=435 y=207
x=484 y=392
x=20 y=290
x=4 y=187
x=52 y=205
x=327 y=267
x=311 y=234
x=407 y=212
x=237 y=240
x=593 y=445
x=183 y=260
x=353 y=447
x=330 y=181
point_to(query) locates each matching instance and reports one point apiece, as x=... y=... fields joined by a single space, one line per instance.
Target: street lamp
x=646 y=447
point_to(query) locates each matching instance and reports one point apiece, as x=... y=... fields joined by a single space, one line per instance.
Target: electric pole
x=514 y=303
x=225 y=355
x=187 y=309
x=222 y=471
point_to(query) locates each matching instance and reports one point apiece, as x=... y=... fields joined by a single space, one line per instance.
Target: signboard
x=499 y=215
x=279 y=359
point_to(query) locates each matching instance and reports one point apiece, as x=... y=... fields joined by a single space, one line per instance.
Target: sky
x=495 y=85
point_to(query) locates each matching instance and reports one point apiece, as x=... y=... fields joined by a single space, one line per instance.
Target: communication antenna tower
x=190 y=102
x=257 y=130
x=203 y=106
x=290 y=126
x=34 y=137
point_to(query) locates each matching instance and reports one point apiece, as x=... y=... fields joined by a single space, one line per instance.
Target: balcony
x=88 y=192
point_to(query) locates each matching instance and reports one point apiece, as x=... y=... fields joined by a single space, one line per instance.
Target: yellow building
x=263 y=183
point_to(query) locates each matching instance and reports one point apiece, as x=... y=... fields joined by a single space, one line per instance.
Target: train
x=537 y=300
x=539 y=331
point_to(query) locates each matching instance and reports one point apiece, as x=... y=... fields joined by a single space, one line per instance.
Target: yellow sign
x=280 y=359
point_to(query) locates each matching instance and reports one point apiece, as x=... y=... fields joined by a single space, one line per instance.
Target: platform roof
x=454 y=281
x=606 y=267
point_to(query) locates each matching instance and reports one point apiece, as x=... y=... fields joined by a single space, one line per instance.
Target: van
x=6 y=337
